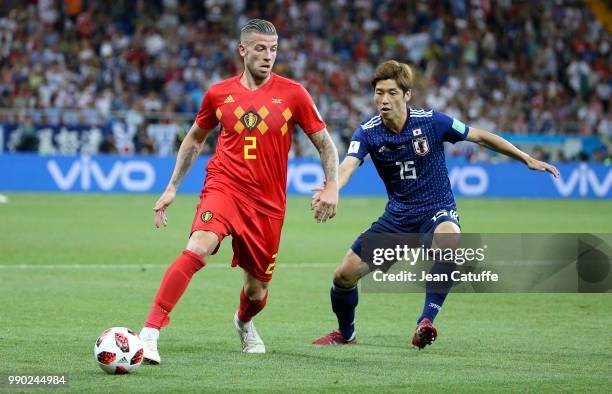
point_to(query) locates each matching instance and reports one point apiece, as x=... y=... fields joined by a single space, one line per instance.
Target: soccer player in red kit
x=246 y=179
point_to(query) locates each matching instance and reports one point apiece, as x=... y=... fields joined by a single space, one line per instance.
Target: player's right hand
x=316 y=197
x=326 y=202
x=159 y=209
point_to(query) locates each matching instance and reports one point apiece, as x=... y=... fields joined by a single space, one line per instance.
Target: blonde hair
x=257 y=26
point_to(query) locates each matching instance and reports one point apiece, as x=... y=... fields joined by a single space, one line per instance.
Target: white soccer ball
x=118 y=350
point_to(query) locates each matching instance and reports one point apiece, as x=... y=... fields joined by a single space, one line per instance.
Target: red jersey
x=255 y=138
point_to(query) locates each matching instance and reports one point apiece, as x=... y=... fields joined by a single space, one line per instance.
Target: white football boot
x=149 y=338
x=250 y=339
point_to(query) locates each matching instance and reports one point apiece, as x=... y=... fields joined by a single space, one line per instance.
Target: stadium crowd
x=540 y=67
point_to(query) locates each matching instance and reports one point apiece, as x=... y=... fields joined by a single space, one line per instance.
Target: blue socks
x=436 y=291
x=433 y=304
x=344 y=301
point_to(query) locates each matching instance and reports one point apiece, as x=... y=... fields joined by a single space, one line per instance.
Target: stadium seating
x=533 y=67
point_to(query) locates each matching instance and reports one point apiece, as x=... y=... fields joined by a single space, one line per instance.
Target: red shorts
x=255 y=237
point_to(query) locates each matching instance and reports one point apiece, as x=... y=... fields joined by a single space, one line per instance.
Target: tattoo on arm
x=328 y=152
x=189 y=151
x=184 y=162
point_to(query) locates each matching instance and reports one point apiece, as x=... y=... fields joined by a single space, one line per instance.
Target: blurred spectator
x=24 y=139
x=540 y=154
x=108 y=145
x=600 y=155
x=143 y=143
x=561 y=158
x=480 y=155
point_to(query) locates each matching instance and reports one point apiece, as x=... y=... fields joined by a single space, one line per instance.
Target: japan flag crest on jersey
x=421 y=147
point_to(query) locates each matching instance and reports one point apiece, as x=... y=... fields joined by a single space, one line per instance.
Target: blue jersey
x=411 y=163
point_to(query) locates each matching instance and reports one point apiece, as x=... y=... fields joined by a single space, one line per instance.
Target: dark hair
x=257 y=26
x=399 y=72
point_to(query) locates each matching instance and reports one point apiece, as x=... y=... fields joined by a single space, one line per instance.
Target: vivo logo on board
x=132 y=175
x=584 y=179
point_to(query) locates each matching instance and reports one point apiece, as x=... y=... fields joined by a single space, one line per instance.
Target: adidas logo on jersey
x=229 y=99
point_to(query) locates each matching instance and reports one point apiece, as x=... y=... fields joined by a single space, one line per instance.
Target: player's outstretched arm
x=188 y=152
x=328 y=199
x=346 y=170
x=503 y=146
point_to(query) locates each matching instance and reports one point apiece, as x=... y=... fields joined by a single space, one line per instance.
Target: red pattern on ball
x=121 y=371
x=122 y=342
x=137 y=359
x=101 y=337
x=106 y=357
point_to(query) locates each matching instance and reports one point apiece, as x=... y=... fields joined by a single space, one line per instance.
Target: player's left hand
x=538 y=165
x=324 y=202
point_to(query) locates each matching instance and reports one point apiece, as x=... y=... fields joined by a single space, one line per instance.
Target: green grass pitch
x=51 y=313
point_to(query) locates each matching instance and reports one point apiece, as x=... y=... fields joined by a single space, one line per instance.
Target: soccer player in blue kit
x=406 y=147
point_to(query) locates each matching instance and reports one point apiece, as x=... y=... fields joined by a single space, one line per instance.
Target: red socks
x=174 y=284
x=248 y=308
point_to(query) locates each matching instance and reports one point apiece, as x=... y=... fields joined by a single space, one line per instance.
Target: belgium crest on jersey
x=421 y=146
x=250 y=120
x=206 y=216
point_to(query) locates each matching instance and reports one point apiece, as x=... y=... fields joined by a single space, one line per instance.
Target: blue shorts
x=426 y=228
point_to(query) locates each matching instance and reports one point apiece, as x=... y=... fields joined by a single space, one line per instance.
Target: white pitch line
x=216 y=265
x=141 y=266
